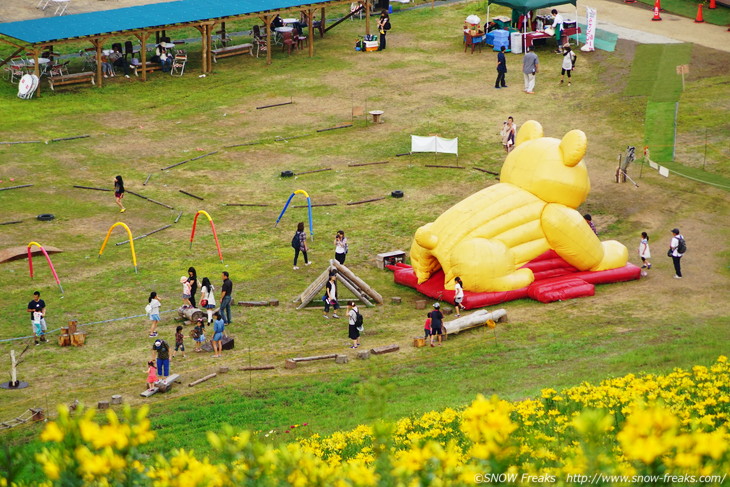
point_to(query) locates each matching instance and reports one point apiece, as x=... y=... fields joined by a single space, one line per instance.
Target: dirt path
x=636 y=18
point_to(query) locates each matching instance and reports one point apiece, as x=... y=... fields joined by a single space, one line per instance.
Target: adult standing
x=37 y=305
x=301 y=237
x=226 y=296
x=568 y=64
x=353 y=332
x=331 y=297
x=161 y=350
x=677 y=248
x=119 y=193
x=193 y=280
x=437 y=320
x=383 y=28
x=530 y=66
x=341 y=247
x=501 y=68
x=558 y=27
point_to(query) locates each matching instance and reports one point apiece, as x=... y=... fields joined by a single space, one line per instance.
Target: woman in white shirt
x=458 y=295
x=340 y=247
x=207 y=298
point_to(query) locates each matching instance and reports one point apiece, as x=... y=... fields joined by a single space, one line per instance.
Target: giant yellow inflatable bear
x=487 y=237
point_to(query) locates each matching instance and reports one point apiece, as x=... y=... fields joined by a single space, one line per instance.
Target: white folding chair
x=178 y=63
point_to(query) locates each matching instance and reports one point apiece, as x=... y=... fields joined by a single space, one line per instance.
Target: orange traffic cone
x=699 y=19
x=657 y=8
x=713 y=4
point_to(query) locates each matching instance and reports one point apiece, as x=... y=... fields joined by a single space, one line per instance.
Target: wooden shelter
x=38 y=35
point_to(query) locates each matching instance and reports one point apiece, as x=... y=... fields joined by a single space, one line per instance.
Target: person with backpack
x=299 y=244
x=153 y=311
x=355 y=324
x=568 y=65
x=383 y=28
x=677 y=248
x=437 y=320
x=341 y=247
x=161 y=350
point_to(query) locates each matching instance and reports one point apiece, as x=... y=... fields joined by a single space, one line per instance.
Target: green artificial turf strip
x=659 y=130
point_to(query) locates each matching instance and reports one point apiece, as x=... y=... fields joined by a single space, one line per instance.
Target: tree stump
x=273 y=302
x=446 y=310
x=419 y=342
x=342 y=359
x=420 y=304
x=363 y=354
x=395 y=300
x=223 y=370
x=116 y=399
x=72 y=326
x=103 y=405
x=78 y=339
x=64 y=340
x=64 y=330
x=163 y=386
x=290 y=364
x=190 y=314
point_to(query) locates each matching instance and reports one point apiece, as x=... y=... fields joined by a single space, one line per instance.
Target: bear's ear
x=573 y=146
x=530 y=130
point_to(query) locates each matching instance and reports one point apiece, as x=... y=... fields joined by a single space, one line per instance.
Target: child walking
x=644 y=251
x=427 y=329
x=153 y=310
x=151 y=374
x=179 y=345
x=187 y=289
x=458 y=295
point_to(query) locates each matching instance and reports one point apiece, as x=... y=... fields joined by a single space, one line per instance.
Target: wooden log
x=360 y=283
x=335 y=128
x=445 y=167
x=191 y=314
x=72 y=327
x=251 y=304
x=384 y=349
x=290 y=364
x=363 y=354
x=165 y=385
x=16 y=187
x=189 y=160
x=475 y=319
x=396 y=300
x=150 y=392
x=367 y=164
x=419 y=342
x=275 y=105
x=202 y=379
x=178 y=217
x=22 y=142
x=313 y=289
x=311 y=172
x=148 y=178
x=78 y=339
x=90 y=187
x=242 y=145
x=37 y=415
x=244 y=204
x=191 y=194
x=355 y=290
x=11 y=222
x=486 y=171
x=342 y=359
x=117 y=399
x=146 y=234
x=283 y=139
x=365 y=201
x=273 y=302
x=158 y=203
x=258 y=367
x=314 y=357
x=64 y=340
x=223 y=370
x=102 y=405
x=319 y=204
x=420 y=304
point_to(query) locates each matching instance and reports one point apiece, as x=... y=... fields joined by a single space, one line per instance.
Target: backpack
x=358 y=321
x=682 y=245
x=295 y=242
x=195 y=333
x=386 y=26
x=148 y=309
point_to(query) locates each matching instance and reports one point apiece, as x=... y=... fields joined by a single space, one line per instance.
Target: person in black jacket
x=501 y=69
x=383 y=28
x=437 y=321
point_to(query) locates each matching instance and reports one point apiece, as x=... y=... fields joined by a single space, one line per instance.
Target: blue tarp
x=159 y=15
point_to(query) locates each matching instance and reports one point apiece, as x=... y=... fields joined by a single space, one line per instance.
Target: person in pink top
x=151 y=374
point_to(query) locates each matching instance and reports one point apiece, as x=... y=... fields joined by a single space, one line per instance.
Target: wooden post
x=209 y=52
x=97 y=42
x=267 y=21
x=323 y=18
x=311 y=31
x=36 y=70
x=143 y=36
x=223 y=34
x=72 y=326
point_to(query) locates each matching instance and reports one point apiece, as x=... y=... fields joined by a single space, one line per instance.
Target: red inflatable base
x=555 y=280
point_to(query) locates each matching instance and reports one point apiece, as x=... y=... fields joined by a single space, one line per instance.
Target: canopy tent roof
x=524 y=6
x=49 y=29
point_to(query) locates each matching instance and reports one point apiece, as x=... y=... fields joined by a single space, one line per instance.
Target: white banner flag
x=434 y=144
x=590 y=29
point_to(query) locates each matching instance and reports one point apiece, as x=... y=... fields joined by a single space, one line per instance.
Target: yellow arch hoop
x=301 y=191
x=131 y=242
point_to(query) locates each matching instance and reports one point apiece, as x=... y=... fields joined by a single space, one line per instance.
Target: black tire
x=397 y=194
x=46 y=217
x=287 y=174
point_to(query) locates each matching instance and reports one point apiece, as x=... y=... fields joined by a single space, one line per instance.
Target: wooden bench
x=72 y=79
x=232 y=51
x=149 y=67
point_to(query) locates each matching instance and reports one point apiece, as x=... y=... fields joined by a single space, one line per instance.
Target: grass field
x=426 y=85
